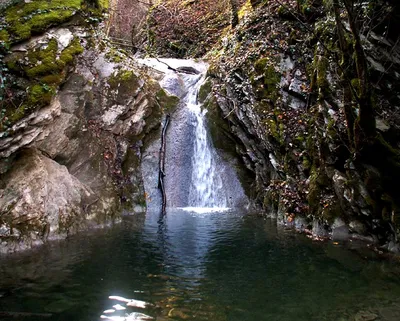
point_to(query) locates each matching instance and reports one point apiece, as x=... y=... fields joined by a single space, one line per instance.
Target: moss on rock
x=121 y=77
x=103 y=4
x=27 y=18
x=204 y=91
x=123 y=84
x=4 y=36
x=44 y=69
x=47 y=61
x=266 y=79
x=167 y=102
x=38 y=95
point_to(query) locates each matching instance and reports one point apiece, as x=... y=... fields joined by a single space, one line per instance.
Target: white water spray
x=197 y=179
x=206 y=188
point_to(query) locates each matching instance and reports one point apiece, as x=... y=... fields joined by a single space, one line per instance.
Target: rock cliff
x=74 y=111
x=307 y=93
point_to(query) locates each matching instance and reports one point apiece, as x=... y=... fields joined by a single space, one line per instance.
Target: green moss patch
x=38 y=96
x=123 y=85
x=46 y=62
x=114 y=56
x=204 y=91
x=4 y=36
x=44 y=69
x=167 y=102
x=266 y=79
x=25 y=19
x=103 y=4
x=121 y=77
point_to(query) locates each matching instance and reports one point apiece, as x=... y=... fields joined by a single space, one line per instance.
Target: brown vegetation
x=187 y=28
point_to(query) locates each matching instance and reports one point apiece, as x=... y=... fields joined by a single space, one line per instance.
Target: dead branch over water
x=161 y=173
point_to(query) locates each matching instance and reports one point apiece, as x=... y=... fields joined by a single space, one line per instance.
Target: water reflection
x=198 y=266
x=128 y=303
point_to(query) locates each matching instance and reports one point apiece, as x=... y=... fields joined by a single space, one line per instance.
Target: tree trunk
x=361 y=129
x=346 y=75
x=234 y=11
x=365 y=127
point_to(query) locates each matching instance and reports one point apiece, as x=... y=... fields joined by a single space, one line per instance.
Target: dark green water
x=216 y=266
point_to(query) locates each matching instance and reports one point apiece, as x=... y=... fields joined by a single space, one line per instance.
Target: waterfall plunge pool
x=202 y=261
x=220 y=266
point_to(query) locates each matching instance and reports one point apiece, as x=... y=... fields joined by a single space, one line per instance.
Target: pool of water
x=198 y=265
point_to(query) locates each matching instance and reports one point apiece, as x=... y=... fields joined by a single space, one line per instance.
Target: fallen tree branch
x=186 y=70
x=169 y=67
x=161 y=173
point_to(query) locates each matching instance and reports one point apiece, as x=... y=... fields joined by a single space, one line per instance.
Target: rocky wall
x=70 y=152
x=279 y=93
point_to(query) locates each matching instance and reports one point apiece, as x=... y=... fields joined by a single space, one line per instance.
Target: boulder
x=40 y=199
x=340 y=231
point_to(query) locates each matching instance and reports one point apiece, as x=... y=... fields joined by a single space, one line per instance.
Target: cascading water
x=206 y=186
x=196 y=176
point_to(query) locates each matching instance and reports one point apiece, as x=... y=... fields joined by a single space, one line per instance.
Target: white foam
x=118 y=298
x=128 y=317
x=137 y=304
x=129 y=302
x=204 y=210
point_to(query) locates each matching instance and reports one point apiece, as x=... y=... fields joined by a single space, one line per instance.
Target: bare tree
x=128 y=20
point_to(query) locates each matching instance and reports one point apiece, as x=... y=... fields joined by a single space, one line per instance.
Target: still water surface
x=221 y=266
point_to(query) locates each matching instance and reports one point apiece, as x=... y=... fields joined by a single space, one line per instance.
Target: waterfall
x=206 y=189
x=197 y=178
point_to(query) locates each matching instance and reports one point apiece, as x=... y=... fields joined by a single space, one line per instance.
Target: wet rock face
x=282 y=103
x=74 y=163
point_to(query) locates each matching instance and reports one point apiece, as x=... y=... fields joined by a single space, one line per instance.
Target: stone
x=365 y=316
x=300 y=223
x=390 y=313
x=393 y=247
x=173 y=84
x=357 y=227
x=376 y=65
x=29 y=129
x=64 y=37
x=42 y=199
x=318 y=229
x=381 y=125
x=340 y=231
x=174 y=313
x=338 y=222
x=295 y=86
